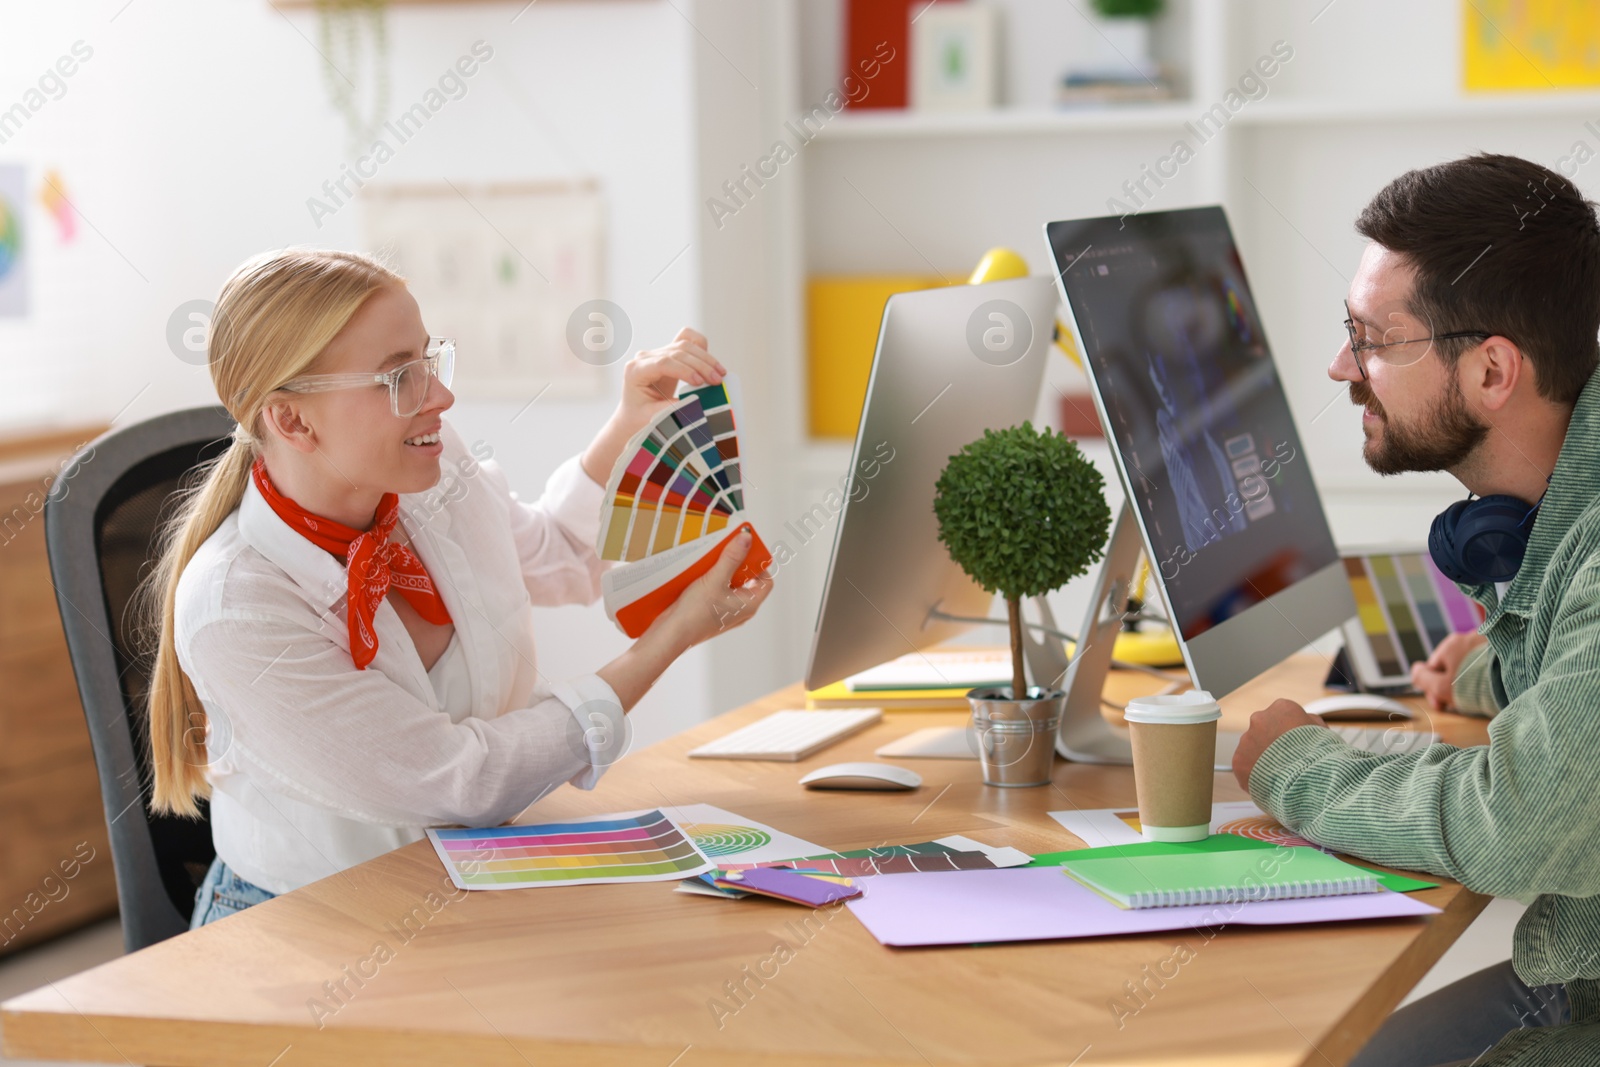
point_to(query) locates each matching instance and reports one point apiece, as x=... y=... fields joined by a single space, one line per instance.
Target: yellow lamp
x=1001 y=264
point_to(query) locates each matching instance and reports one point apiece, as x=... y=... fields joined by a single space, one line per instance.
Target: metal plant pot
x=1016 y=739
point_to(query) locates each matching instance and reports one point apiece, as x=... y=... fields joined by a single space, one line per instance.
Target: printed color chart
x=1406 y=607
x=646 y=847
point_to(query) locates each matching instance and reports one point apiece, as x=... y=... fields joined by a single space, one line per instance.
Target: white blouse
x=316 y=766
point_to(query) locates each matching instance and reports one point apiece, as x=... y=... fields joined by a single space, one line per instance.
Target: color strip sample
x=1370 y=612
x=1387 y=579
x=684 y=475
x=1406 y=607
x=644 y=847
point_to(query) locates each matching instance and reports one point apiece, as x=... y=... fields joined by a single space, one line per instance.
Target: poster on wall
x=1529 y=44
x=13 y=242
x=502 y=269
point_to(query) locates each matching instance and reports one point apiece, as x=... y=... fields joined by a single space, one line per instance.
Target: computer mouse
x=880 y=776
x=1358 y=706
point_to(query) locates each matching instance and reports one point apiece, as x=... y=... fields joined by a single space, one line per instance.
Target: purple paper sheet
x=1040 y=903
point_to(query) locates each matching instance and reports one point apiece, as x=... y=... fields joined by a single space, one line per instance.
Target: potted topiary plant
x=1022 y=512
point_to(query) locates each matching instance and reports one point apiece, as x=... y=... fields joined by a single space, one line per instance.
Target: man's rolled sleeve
x=1287 y=758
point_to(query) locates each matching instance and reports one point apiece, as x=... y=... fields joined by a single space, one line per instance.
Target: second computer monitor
x=950 y=364
x=1203 y=438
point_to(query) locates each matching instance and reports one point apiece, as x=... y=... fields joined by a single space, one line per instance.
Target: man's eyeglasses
x=1359 y=345
x=408 y=383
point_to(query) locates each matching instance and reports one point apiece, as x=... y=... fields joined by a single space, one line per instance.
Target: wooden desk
x=628 y=974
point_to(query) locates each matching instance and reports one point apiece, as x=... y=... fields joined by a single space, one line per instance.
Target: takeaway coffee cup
x=1174 y=748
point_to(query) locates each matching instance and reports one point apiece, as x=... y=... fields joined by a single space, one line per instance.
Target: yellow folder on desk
x=840 y=695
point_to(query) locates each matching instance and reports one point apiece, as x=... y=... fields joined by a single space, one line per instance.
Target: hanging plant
x=355 y=48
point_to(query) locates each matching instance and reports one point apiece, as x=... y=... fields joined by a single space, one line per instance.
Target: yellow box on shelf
x=1542 y=45
x=843 y=312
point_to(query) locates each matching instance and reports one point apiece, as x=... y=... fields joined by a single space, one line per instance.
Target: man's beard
x=1446 y=437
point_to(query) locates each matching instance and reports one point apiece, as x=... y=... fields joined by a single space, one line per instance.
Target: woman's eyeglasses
x=408 y=383
x=1359 y=345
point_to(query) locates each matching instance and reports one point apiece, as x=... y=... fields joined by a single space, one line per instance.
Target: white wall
x=198 y=129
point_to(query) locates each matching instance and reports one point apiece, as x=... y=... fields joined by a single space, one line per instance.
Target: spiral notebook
x=1219 y=877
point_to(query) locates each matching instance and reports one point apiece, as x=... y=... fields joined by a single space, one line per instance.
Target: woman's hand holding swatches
x=649 y=386
x=706 y=608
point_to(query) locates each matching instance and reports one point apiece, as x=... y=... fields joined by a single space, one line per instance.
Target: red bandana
x=373 y=564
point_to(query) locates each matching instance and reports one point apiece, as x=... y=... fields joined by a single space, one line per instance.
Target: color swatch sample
x=869 y=865
x=675 y=499
x=721 y=839
x=643 y=847
x=793 y=886
x=681 y=481
x=719 y=832
x=1406 y=607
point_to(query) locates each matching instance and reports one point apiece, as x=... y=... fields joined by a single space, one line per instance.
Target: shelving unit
x=859 y=125
x=906 y=192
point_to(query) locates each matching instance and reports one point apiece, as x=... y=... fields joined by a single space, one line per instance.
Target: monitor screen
x=1194 y=408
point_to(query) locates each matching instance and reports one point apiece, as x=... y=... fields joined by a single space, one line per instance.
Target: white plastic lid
x=1196 y=705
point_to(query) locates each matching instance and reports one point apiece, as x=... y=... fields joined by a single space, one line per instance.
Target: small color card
x=643 y=847
x=1404 y=608
x=792 y=886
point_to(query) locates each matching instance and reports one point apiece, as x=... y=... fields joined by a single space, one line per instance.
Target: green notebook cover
x=1218 y=877
x=1215 y=843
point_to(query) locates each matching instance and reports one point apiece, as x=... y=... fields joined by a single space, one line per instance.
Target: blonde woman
x=345 y=658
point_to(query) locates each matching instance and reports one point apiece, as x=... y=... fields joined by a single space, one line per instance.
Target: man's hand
x=1437 y=677
x=1266 y=726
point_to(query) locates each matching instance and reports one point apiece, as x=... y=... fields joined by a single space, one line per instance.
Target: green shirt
x=1519 y=817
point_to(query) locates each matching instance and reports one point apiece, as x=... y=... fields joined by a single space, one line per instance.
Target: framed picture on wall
x=502 y=269
x=954 y=61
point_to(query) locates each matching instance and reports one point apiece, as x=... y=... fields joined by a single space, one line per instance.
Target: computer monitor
x=1215 y=474
x=950 y=364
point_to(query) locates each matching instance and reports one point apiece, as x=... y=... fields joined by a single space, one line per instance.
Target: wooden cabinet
x=55 y=860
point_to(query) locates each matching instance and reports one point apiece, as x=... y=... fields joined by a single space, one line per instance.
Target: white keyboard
x=1385 y=740
x=789 y=735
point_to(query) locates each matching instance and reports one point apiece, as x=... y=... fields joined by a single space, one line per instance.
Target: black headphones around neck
x=1476 y=542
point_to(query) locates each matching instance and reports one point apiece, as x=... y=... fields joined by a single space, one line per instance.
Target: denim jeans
x=223 y=893
x=1457 y=1024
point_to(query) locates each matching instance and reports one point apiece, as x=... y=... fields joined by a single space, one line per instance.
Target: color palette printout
x=1404 y=608
x=637 y=846
x=643 y=847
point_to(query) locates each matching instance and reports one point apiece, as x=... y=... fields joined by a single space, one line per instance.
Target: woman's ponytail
x=177 y=719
